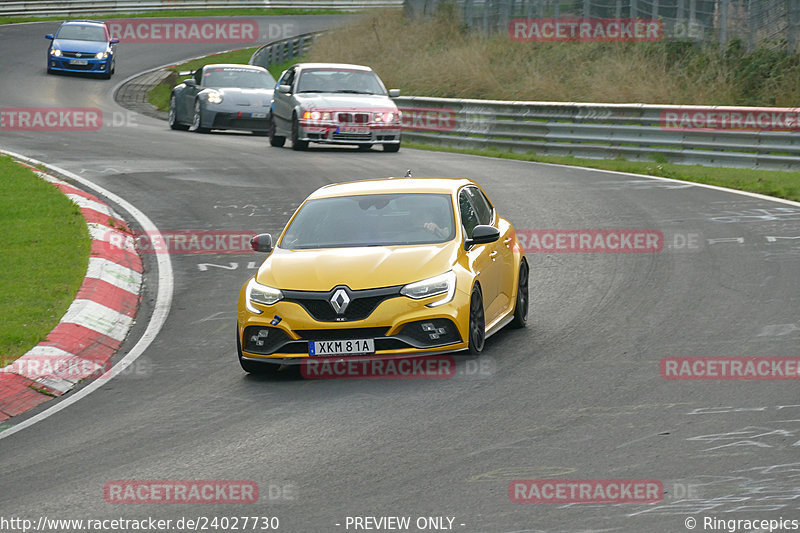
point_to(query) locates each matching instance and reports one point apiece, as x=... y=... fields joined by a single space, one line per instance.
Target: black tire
x=113 y=66
x=296 y=144
x=275 y=140
x=477 y=322
x=172 y=119
x=521 y=306
x=197 y=120
x=252 y=367
x=391 y=147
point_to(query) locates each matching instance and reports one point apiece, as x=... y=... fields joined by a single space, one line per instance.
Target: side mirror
x=481 y=235
x=263 y=243
x=285 y=89
x=114 y=41
x=49 y=36
x=190 y=82
x=394 y=93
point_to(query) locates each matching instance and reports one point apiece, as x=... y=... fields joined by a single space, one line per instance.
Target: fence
x=280 y=51
x=109 y=7
x=722 y=136
x=752 y=21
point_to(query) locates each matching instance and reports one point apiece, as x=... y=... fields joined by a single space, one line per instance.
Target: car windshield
x=80 y=32
x=334 y=80
x=242 y=78
x=371 y=220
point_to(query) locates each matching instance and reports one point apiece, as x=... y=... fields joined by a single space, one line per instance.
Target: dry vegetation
x=437 y=57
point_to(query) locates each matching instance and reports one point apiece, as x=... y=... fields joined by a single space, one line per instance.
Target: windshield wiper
x=351 y=91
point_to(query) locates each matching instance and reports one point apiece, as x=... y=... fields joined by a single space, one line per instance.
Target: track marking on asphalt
x=157 y=319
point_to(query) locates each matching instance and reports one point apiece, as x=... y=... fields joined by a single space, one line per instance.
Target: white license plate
x=258 y=115
x=78 y=62
x=353 y=129
x=348 y=347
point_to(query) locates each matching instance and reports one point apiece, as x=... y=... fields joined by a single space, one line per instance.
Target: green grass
x=225 y=12
x=45 y=246
x=159 y=95
x=781 y=184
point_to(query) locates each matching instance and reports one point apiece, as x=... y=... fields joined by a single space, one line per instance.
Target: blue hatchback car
x=82 y=46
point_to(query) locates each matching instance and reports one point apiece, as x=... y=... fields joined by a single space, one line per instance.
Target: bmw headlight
x=386 y=118
x=214 y=97
x=260 y=294
x=317 y=115
x=101 y=55
x=441 y=284
x=55 y=52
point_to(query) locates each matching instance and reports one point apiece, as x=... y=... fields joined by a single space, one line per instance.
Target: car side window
x=481 y=204
x=288 y=77
x=469 y=217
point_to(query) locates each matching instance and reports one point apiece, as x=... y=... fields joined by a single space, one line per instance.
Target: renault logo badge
x=339 y=301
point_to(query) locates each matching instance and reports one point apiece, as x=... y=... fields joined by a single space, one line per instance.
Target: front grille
x=362 y=302
x=225 y=121
x=351 y=137
x=341 y=334
x=78 y=55
x=353 y=118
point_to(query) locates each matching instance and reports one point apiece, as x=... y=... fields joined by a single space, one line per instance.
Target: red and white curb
x=95 y=324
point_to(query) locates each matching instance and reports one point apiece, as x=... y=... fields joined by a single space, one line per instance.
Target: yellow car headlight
x=260 y=294
x=441 y=284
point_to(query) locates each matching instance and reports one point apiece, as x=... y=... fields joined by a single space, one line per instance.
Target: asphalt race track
x=577 y=395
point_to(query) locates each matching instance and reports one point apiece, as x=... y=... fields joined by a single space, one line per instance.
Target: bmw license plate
x=353 y=129
x=348 y=347
x=258 y=115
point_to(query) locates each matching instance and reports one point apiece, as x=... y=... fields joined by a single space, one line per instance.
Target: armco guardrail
x=105 y=7
x=282 y=50
x=766 y=138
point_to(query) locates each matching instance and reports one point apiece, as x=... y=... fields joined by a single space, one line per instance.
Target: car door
x=479 y=256
x=501 y=253
x=283 y=104
x=188 y=95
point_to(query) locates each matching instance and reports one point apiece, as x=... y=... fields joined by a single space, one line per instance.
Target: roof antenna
x=408 y=173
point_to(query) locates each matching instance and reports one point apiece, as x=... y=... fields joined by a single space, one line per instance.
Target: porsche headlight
x=441 y=284
x=101 y=55
x=260 y=294
x=55 y=52
x=214 y=97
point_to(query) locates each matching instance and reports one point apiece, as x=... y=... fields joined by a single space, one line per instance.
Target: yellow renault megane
x=393 y=267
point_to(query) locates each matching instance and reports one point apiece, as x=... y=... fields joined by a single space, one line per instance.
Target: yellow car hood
x=358 y=267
